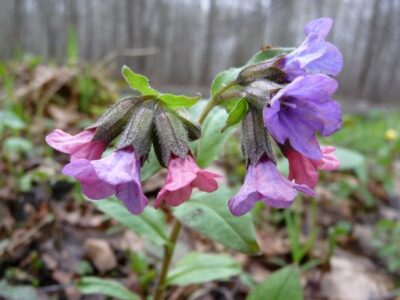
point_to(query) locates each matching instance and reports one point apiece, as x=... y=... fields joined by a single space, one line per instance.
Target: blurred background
x=60 y=63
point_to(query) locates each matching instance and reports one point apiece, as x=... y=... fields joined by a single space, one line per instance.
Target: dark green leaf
x=111 y=288
x=200 y=267
x=138 y=82
x=210 y=145
x=150 y=224
x=236 y=114
x=281 y=285
x=177 y=101
x=209 y=214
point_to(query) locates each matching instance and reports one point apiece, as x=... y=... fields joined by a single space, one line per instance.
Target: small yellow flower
x=391 y=135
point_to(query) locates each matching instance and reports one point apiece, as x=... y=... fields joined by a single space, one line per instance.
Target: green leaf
x=111 y=288
x=236 y=114
x=226 y=76
x=352 y=161
x=150 y=224
x=281 y=285
x=138 y=82
x=13 y=145
x=210 y=145
x=11 y=120
x=268 y=54
x=200 y=267
x=150 y=167
x=209 y=214
x=17 y=292
x=177 y=101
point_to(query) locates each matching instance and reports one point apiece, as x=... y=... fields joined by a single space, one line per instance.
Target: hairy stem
x=168 y=253
x=169 y=249
x=214 y=101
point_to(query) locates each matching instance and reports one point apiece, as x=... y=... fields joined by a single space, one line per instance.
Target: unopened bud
x=171 y=136
x=255 y=137
x=260 y=92
x=263 y=70
x=110 y=124
x=137 y=132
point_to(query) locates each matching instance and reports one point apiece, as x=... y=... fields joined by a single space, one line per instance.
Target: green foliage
x=209 y=214
x=226 y=76
x=151 y=166
x=236 y=114
x=201 y=267
x=72 y=46
x=209 y=147
x=281 y=285
x=111 y=288
x=386 y=239
x=17 y=292
x=141 y=84
x=10 y=120
x=150 y=224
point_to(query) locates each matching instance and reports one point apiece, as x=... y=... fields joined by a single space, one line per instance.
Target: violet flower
x=304 y=170
x=184 y=175
x=117 y=173
x=314 y=55
x=300 y=110
x=79 y=146
x=264 y=183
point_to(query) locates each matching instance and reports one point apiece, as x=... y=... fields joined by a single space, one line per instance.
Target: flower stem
x=169 y=249
x=168 y=253
x=214 y=101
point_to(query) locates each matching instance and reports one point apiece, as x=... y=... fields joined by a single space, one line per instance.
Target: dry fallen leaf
x=100 y=254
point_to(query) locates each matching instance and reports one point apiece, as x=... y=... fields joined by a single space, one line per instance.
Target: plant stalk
x=168 y=253
x=169 y=249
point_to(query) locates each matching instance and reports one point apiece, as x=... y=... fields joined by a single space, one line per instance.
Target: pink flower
x=264 y=183
x=79 y=146
x=117 y=173
x=184 y=175
x=305 y=170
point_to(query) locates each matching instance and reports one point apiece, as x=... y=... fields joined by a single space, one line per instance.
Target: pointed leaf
x=236 y=114
x=138 y=82
x=268 y=54
x=281 y=285
x=150 y=167
x=200 y=267
x=108 y=287
x=209 y=214
x=150 y=224
x=210 y=145
x=177 y=101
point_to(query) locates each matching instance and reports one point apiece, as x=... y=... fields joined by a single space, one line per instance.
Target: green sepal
x=236 y=114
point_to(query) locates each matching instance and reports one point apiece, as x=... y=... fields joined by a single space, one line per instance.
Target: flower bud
x=110 y=124
x=137 y=132
x=171 y=136
x=263 y=70
x=260 y=92
x=255 y=137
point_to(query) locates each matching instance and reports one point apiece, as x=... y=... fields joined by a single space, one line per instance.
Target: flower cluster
x=293 y=93
x=288 y=99
x=140 y=121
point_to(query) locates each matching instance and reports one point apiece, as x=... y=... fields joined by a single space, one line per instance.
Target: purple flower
x=300 y=110
x=314 y=55
x=117 y=173
x=264 y=183
x=79 y=146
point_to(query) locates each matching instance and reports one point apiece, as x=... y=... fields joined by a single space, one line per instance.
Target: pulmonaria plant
x=282 y=95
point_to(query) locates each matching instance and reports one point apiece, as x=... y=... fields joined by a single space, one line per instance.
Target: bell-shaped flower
x=302 y=109
x=78 y=146
x=184 y=175
x=315 y=54
x=304 y=170
x=117 y=173
x=264 y=183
